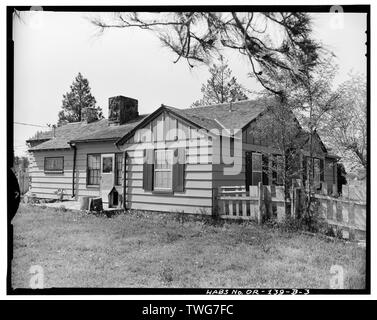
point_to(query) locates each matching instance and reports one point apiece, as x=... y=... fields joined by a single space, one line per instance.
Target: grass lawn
x=162 y=250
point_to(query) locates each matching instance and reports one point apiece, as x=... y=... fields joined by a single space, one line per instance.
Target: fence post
x=280 y=205
x=351 y=220
x=268 y=201
x=260 y=203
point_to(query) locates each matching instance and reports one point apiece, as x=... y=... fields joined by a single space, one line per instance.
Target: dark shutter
x=148 y=169
x=249 y=169
x=265 y=169
x=322 y=170
x=274 y=169
x=179 y=170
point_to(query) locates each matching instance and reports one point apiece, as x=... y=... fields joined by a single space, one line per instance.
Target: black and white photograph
x=189 y=150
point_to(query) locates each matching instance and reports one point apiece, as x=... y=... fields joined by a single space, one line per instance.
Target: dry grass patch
x=162 y=250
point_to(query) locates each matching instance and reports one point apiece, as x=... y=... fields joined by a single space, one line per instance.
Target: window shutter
x=248 y=169
x=322 y=170
x=265 y=168
x=179 y=170
x=274 y=166
x=148 y=168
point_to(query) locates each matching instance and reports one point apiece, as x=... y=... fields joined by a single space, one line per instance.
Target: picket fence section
x=262 y=202
x=347 y=215
x=235 y=202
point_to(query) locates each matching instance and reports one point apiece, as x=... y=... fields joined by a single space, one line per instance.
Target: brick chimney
x=122 y=109
x=88 y=115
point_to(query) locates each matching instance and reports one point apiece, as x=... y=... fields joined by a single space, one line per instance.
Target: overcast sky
x=51 y=48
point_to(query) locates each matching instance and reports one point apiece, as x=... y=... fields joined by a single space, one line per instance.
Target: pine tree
x=221 y=87
x=75 y=100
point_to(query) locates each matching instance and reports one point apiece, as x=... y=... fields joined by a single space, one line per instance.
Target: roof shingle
x=81 y=131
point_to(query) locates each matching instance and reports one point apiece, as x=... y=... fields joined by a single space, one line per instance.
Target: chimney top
x=122 y=109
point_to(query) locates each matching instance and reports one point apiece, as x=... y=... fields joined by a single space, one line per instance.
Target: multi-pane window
x=163 y=169
x=54 y=164
x=118 y=168
x=256 y=163
x=94 y=167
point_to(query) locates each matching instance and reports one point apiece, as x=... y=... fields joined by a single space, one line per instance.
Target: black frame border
x=165 y=8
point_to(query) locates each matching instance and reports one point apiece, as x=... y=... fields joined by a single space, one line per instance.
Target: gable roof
x=220 y=116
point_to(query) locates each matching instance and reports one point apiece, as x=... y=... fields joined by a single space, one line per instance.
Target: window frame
x=155 y=170
x=53 y=170
x=88 y=184
x=118 y=171
x=256 y=171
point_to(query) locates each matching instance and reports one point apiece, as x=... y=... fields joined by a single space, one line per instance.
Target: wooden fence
x=256 y=203
x=349 y=216
x=261 y=202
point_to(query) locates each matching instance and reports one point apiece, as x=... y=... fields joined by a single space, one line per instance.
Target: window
x=107 y=164
x=256 y=163
x=118 y=168
x=163 y=170
x=93 y=172
x=54 y=164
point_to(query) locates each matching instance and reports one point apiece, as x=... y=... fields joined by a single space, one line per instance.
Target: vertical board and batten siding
x=45 y=185
x=196 y=196
x=83 y=149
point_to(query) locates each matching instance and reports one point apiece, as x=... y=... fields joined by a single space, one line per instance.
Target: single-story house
x=169 y=160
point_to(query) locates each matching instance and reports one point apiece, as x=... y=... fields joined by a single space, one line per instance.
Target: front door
x=107 y=175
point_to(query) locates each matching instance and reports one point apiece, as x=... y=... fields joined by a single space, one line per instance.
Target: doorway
x=107 y=175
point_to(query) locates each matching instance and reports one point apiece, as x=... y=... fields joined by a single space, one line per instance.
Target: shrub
x=311 y=218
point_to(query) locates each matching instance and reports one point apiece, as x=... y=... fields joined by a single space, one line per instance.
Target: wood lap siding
x=83 y=149
x=43 y=183
x=192 y=182
x=194 y=196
